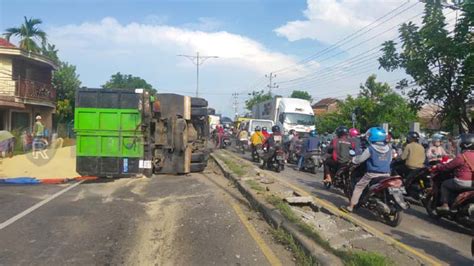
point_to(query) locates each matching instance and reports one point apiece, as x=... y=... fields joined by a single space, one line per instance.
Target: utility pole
x=197 y=60
x=271 y=85
x=235 y=103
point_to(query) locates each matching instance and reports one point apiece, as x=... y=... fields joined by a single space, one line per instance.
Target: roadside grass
x=239 y=170
x=287 y=240
x=254 y=185
x=352 y=258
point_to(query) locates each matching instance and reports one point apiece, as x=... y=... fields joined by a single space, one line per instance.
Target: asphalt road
x=441 y=239
x=164 y=220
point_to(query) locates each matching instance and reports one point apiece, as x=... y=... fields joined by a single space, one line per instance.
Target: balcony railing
x=34 y=90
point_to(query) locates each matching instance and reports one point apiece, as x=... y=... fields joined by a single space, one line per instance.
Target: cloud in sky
x=101 y=48
x=330 y=20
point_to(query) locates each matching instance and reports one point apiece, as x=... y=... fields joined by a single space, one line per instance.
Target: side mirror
x=352 y=153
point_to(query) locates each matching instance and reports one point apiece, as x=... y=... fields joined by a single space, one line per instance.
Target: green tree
x=50 y=51
x=127 y=81
x=257 y=97
x=301 y=95
x=376 y=103
x=28 y=33
x=66 y=81
x=441 y=63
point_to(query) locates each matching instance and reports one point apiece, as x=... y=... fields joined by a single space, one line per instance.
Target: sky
x=326 y=47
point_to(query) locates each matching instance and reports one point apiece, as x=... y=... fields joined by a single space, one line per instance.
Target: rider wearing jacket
x=354 y=136
x=435 y=151
x=310 y=145
x=463 y=167
x=413 y=157
x=257 y=138
x=339 y=149
x=276 y=138
x=377 y=156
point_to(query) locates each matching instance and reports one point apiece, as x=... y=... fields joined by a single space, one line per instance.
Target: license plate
x=279 y=157
x=396 y=190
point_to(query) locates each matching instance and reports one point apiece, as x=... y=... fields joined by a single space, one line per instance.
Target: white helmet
x=38 y=117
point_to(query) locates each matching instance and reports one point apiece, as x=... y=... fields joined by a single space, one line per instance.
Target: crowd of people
x=379 y=152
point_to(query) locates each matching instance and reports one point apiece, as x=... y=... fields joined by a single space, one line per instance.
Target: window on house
x=20 y=121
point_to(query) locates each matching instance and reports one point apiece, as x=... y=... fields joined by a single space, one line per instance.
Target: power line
x=352 y=36
x=195 y=59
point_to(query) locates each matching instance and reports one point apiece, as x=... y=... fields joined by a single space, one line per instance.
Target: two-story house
x=25 y=88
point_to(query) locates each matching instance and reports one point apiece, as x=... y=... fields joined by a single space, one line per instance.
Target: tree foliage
x=50 y=51
x=441 y=63
x=28 y=33
x=127 y=81
x=257 y=97
x=301 y=95
x=66 y=81
x=376 y=103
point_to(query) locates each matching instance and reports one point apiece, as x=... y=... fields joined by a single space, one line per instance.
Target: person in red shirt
x=265 y=133
x=463 y=167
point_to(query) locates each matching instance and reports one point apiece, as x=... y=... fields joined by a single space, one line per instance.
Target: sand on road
x=61 y=163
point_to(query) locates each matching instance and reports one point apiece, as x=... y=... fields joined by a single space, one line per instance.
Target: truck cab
x=295 y=114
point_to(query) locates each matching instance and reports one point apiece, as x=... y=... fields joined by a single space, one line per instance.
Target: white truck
x=288 y=113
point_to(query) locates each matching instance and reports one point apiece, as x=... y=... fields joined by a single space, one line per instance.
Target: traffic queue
x=373 y=171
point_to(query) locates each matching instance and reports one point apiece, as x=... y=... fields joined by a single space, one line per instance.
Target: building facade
x=25 y=88
x=326 y=105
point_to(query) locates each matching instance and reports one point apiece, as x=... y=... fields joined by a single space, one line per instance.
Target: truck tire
x=198 y=102
x=197 y=167
x=198 y=111
x=198 y=157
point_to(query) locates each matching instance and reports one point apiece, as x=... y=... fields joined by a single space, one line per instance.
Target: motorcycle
x=226 y=141
x=294 y=151
x=312 y=161
x=384 y=197
x=462 y=207
x=276 y=161
x=257 y=152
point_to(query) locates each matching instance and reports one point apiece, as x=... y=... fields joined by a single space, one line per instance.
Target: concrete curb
x=277 y=220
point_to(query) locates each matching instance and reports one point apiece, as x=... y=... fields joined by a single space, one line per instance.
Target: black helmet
x=467 y=142
x=257 y=128
x=342 y=131
x=413 y=136
x=276 y=128
x=264 y=128
x=291 y=132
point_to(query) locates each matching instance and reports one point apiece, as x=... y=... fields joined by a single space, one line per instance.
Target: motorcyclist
x=288 y=139
x=354 y=135
x=435 y=151
x=220 y=134
x=257 y=138
x=463 y=167
x=413 y=156
x=265 y=133
x=339 y=149
x=311 y=144
x=243 y=138
x=377 y=156
x=276 y=138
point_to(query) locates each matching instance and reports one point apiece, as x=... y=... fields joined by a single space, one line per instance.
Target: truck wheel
x=198 y=157
x=198 y=102
x=198 y=111
x=197 y=167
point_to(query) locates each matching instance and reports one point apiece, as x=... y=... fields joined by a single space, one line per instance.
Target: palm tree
x=27 y=33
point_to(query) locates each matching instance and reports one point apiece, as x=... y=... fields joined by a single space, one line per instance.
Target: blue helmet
x=376 y=134
x=313 y=133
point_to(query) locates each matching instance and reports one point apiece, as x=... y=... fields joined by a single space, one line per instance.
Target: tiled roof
x=5 y=43
x=325 y=102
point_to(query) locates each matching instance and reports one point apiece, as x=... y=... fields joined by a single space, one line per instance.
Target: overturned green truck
x=122 y=133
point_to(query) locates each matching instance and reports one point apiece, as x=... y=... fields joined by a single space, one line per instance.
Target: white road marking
x=37 y=205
